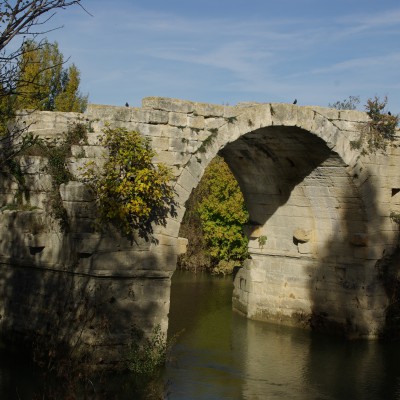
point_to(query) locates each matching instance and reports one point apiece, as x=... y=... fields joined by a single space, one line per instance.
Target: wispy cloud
x=136 y=48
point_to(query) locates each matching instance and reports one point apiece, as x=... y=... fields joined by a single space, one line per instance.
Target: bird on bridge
x=295 y=101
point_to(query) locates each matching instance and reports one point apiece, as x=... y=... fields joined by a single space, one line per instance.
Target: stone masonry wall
x=324 y=209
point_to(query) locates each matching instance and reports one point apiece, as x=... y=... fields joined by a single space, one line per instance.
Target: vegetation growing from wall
x=214 y=221
x=132 y=192
x=56 y=152
x=147 y=355
x=347 y=104
x=379 y=131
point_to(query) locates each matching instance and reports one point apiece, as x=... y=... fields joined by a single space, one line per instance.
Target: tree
x=214 y=219
x=39 y=79
x=43 y=83
x=20 y=22
x=131 y=191
x=70 y=99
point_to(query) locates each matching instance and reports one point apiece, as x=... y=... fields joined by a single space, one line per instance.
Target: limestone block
x=187 y=180
x=349 y=126
x=39 y=183
x=177 y=119
x=24 y=221
x=284 y=114
x=182 y=245
x=160 y=143
x=196 y=122
x=88 y=151
x=80 y=209
x=195 y=168
x=157 y=117
x=353 y=115
x=359 y=239
x=192 y=146
x=302 y=235
x=88 y=244
x=82 y=225
x=33 y=164
x=171 y=157
x=208 y=110
x=76 y=191
x=42 y=239
x=214 y=123
x=253 y=231
x=77 y=166
x=112 y=241
x=167 y=104
x=93 y=138
x=170 y=131
x=8 y=184
x=8 y=198
x=304 y=248
x=176 y=144
x=172 y=227
x=181 y=193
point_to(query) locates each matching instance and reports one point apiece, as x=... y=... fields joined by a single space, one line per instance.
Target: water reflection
x=221 y=355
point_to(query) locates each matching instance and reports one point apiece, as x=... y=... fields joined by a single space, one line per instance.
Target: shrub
x=146 y=356
x=379 y=131
x=132 y=192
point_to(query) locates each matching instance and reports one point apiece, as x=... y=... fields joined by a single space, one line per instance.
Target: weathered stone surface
x=359 y=239
x=182 y=245
x=76 y=191
x=302 y=235
x=324 y=208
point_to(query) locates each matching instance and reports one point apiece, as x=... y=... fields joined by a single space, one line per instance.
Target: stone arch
x=295 y=168
x=262 y=116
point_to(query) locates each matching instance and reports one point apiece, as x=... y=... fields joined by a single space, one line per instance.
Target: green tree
x=43 y=83
x=223 y=214
x=214 y=221
x=70 y=99
x=20 y=21
x=132 y=192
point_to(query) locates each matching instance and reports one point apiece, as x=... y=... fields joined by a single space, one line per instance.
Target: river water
x=221 y=355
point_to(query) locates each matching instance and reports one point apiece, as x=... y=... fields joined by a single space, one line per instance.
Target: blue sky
x=225 y=52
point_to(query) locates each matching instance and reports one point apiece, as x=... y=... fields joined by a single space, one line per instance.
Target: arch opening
x=301 y=198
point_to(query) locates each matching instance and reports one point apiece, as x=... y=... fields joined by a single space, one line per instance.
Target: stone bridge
x=329 y=261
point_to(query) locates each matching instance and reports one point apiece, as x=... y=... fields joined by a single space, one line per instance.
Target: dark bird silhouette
x=389 y=113
x=295 y=101
x=126 y=104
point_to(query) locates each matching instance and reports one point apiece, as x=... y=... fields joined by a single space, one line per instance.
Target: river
x=220 y=355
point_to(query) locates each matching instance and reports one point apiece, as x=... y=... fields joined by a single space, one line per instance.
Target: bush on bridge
x=379 y=131
x=131 y=191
